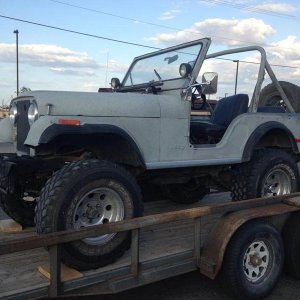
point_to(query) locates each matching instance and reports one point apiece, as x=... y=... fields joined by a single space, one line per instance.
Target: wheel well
x=109 y=146
x=275 y=138
x=270 y=135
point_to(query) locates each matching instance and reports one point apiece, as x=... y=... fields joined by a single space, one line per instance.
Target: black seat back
x=228 y=108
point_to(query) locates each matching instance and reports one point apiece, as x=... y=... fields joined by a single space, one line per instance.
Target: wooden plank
x=67 y=273
x=155 y=242
x=294 y=201
x=9 y=225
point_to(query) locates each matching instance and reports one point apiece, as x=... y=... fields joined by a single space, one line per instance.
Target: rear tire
x=270 y=172
x=87 y=193
x=253 y=261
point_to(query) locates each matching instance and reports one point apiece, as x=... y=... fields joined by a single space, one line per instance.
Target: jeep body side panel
x=230 y=149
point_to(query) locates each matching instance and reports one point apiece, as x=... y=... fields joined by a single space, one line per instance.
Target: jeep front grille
x=22 y=125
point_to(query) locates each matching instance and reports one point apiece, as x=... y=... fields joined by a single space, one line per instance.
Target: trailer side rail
x=54 y=240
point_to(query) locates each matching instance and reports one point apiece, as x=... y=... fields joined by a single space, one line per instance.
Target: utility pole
x=17 y=55
x=236 y=74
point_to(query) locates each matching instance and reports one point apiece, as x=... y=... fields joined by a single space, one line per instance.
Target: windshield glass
x=162 y=66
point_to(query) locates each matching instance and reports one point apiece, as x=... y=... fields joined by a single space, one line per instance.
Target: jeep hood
x=96 y=104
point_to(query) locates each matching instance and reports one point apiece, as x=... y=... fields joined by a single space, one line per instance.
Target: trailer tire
x=86 y=193
x=253 y=260
x=270 y=172
x=269 y=95
x=291 y=238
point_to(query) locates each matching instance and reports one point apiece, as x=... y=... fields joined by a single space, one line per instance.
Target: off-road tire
x=269 y=95
x=253 y=261
x=248 y=179
x=291 y=238
x=17 y=208
x=61 y=204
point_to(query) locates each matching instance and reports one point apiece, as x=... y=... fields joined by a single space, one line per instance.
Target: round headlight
x=13 y=112
x=33 y=113
x=115 y=83
x=185 y=70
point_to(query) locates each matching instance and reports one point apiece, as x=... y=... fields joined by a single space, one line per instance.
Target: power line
x=218 y=2
x=80 y=33
x=141 y=22
x=253 y=9
x=109 y=39
x=114 y=15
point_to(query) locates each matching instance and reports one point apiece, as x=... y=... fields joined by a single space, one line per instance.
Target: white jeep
x=80 y=158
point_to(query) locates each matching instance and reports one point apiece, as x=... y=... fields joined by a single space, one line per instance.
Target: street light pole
x=236 y=74
x=17 y=53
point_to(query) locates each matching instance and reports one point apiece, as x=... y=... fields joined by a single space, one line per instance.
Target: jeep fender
x=124 y=146
x=262 y=131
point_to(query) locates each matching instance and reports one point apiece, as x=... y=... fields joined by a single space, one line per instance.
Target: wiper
x=156 y=73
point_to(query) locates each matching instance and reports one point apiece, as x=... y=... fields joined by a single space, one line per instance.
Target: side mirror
x=209 y=83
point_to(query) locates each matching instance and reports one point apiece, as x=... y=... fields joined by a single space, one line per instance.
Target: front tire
x=270 y=172
x=87 y=193
x=253 y=261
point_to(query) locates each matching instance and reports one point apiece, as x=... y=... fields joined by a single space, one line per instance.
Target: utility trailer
x=253 y=233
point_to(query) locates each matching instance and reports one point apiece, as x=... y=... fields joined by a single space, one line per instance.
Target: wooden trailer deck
x=165 y=250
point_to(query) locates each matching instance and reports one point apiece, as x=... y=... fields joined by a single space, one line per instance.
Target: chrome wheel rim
x=98 y=206
x=277 y=182
x=256 y=261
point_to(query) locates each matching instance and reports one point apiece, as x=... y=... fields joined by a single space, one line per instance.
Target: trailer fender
x=214 y=249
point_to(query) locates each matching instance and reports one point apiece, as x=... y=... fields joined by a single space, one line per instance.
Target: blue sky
x=57 y=60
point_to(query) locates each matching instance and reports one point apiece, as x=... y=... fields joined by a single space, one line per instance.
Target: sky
x=51 y=59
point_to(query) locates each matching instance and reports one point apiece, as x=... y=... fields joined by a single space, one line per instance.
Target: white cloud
x=273 y=7
x=116 y=66
x=46 y=55
x=72 y=72
x=287 y=49
x=168 y=15
x=286 y=53
x=237 y=32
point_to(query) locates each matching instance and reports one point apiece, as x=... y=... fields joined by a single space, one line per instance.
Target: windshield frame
x=203 y=47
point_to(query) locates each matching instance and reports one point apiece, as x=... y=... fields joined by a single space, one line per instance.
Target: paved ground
x=194 y=286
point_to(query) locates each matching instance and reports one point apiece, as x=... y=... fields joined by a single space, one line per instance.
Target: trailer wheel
x=19 y=206
x=291 y=238
x=269 y=95
x=270 y=172
x=253 y=260
x=87 y=193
